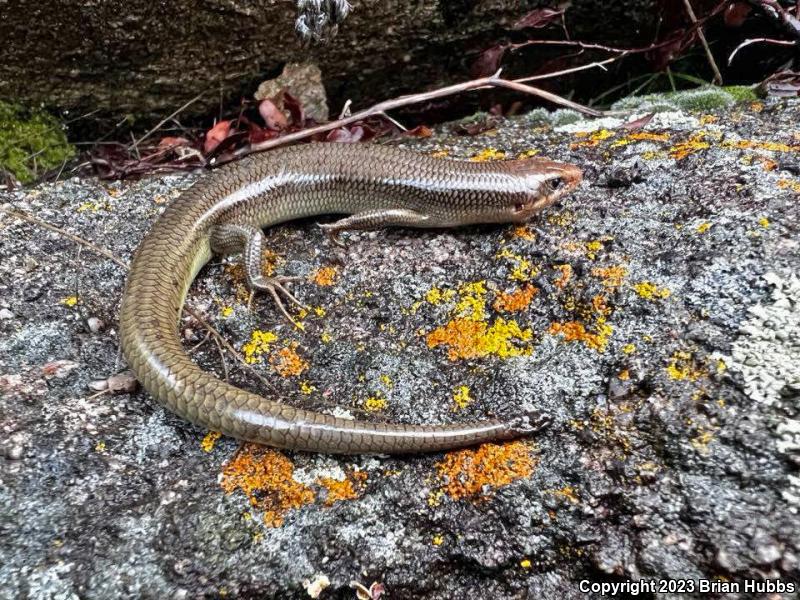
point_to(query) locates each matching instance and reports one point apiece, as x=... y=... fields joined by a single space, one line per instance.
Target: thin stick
x=222 y=358
x=70 y=236
x=701 y=36
x=759 y=41
x=387 y=105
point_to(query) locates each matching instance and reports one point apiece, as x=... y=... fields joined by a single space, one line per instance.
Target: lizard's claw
x=273 y=285
x=333 y=233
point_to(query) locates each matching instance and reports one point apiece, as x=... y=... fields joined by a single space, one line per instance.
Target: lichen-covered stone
x=662 y=461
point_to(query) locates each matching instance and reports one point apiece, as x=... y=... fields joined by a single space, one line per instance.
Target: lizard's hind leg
x=230 y=239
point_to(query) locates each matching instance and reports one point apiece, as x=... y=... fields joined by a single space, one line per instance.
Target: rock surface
x=637 y=313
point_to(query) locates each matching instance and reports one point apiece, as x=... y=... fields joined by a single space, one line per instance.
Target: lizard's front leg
x=230 y=239
x=374 y=219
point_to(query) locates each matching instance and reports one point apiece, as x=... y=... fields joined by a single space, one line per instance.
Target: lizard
x=225 y=212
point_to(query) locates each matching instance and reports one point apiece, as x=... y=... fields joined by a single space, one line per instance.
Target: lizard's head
x=544 y=181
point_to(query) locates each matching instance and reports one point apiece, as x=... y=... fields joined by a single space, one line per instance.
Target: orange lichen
x=325 y=276
x=287 y=362
x=565 y=274
x=523 y=232
x=574 y=331
x=515 y=301
x=612 y=276
x=649 y=137
x=694 y=144
x=265 y=478
x=349 y=488
x=476 y=473
x=467 y=338
x=791 y=184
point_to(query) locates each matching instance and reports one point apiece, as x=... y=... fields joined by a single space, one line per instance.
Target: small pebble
x=122 y=383
x=6 y=314
x=95 y=324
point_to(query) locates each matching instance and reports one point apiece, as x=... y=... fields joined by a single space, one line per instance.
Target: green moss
x=742 y=93
x=702 y=99
x=31 y=142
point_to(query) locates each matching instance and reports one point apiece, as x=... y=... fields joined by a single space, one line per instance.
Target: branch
x=702 y=37
x=382 y=107
x=759 y=41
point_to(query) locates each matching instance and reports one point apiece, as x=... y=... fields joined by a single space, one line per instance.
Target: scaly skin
x=380 y=186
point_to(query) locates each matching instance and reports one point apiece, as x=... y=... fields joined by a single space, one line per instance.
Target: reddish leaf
x=258 y=134
x=168 y=143
x=422 y=131
x=736 y=14
x=637 y=124
x=272 y=115
x=541 y=17
x=295 y=108
x=216 y=135
x=488 y=62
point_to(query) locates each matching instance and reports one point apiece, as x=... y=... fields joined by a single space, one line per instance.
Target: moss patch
x=31 y=142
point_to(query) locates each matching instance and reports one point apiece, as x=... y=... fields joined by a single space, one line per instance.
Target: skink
x=226 y=211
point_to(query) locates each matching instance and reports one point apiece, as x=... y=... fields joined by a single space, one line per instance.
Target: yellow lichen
x=528 y=153
x=515 y=301
x=306 y=388
x=703 y=227
x=472 y=301
x=592 y=139
x=789 y=184
x=764 y=222
x=694 y=144
x=69 y=301
x=440 y=153
x=629 y=348
x=461 y=398
x=467 y=338
x=567 y=493
x=488 y=154
x=375 y=403
x=207 y=443
x=325 y=276
x=593 y=247
x=525 y=563
x=523 y=270
x=624 y=375
x=260 y=343
x=265 y=478
x=326 y=337
x=287 y=362
x=682 y=366
x=349 y=488
x=475 y=474
x=226 y=312
x=437 y=540
x=651 y=291
x=437 y=295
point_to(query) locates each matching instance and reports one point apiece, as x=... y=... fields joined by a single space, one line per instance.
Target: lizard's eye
x=555 y=183
x=519 y=207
